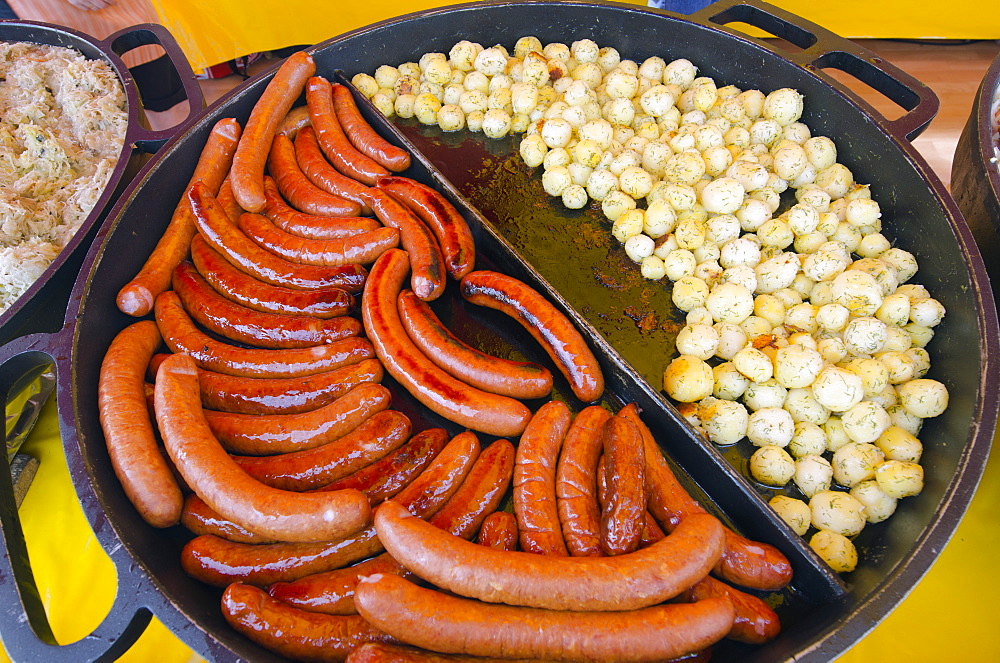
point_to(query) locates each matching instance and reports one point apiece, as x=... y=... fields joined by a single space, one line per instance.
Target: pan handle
x=145 y=34
x=27 y=635
x=822 y=49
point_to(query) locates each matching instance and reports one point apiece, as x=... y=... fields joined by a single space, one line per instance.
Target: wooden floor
x=952 y=70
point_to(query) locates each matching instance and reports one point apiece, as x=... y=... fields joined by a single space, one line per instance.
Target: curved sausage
x=218 y=562
x=493 y=374
x=199 y=518
x=480 y=494
x=362 y=248
x=439 y=391
x=377 y=652
x=376 y=437
x=332 y=139
x=499 y=531
x=363 y=136
x=137 y=296
x=755 y=623
x=440 y=622
x=294 y=121
x=246 y=325
x=295 y=634
x=576 y=482
x=315 y=166
x=436 y=485
x=138 y=463
x=298 y=189
x=466 y=507
x=217 y=479
x=625 y=582
x=427 y=264
x=228 y=201
x=449 y=226
x=553 y=330
x=535 y=480
x=244 y=254
x=262 y=434
x=265 y=117
x=624 y=462
x=182 y=336
x=244 y=289
x=310 y=225
x=390 y=474
x=744 y=562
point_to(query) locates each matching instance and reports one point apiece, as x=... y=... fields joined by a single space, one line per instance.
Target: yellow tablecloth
x=948 y=615
x=214 y=32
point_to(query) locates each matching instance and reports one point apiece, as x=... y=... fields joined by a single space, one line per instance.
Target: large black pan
x=823 y=614
x=975 y=173
x=37 y=309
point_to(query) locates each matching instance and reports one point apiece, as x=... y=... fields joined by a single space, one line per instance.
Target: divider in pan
x=147 y=558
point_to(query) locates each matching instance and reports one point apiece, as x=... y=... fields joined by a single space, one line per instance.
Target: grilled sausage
x=624 y=463
x=535 y=480
x=332 y=139
x=363 y=136
x=137 y=296
x=493 y=374
x=244 y=289
x=265 y=117
x=246 y=325
x=439 y=391
x=262 y=434
x=499 y=531
x=138 y=463
x=298 y=189
x=448 y=225
x=362 y=248
x=440 y=622
x=625 y=582
x=553 y=330
x=310 y=225
x=322 y=174
x=218 y=480
x=576 y=482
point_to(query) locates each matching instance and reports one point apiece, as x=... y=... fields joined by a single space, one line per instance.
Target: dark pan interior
x=524 y=233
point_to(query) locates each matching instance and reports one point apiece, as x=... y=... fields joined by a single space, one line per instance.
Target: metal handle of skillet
x=146 y=34
x=27 y=635
x=822 y=49
x=24 y=625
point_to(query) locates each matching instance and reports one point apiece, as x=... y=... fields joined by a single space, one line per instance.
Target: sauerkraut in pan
x=62 y=127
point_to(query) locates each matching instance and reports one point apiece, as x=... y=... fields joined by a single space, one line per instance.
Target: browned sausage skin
x=182 y=336
x=453 y=233
x=253 y=293
x=436 y=389
x=298 y=189
x=376 y=437
x=553 y=330
x=624 y=462
x=625 y=582
x=494 y=374
x=265 y=117
x=311 y=225
x=258 y=328
x=535 y=480
x=315 y=166
x=138 y=295
x=138 y=463
x=332 y=139
x=441 y=622
x=576 y=482
x=363 y=137
x=295 y=634
x=362 y=248
x=262 y=434
x=219 y=232
x=744 y=562
x=217 y=479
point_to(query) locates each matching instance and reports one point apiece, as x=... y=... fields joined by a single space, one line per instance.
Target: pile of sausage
x=338 y=531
